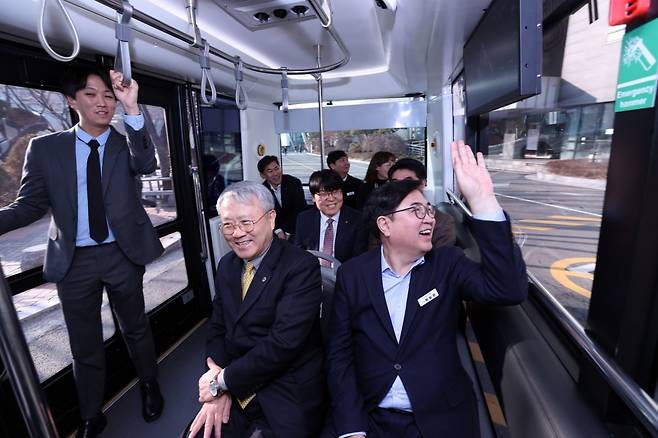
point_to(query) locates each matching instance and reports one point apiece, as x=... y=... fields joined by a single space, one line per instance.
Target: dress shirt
x=396 y=291
x=81 y=156
x=323 y=229
x=277 y=193
x=256 y=262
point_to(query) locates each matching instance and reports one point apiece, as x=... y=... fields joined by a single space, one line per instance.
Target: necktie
x=97 y=221
x=328 y=242
x=248 y=275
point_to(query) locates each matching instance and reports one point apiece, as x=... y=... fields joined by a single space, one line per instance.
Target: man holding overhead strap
x=392 y=359
x=99 y=236
x=264 y=345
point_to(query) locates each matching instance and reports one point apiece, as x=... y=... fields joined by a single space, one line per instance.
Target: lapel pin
x=264 y=280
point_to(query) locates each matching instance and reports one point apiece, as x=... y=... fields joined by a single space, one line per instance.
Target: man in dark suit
x=264 y=345
x=332 y=228
x=339 y=162
x=99 y=236
x=393 y=366
x=288 y=195
x=444 y=225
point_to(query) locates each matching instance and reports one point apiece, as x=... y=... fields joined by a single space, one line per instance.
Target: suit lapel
x=314 y=244
x=415 y=292
x=112 y=148
x=67 y=161
x=232 y=294
x=342 y=243
x=376 y=291
x=261 y=278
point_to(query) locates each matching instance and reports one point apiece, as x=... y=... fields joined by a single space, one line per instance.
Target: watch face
x=213 y=387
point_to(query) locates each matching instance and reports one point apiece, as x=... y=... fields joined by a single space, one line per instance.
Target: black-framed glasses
x=245 y=225
x=420 y=210
x=324 y=195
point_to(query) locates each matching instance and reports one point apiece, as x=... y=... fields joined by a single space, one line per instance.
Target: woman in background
x=376 y=175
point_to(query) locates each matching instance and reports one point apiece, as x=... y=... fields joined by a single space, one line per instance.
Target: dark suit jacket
x=292 y=198
x=351 y=188
x=270 y=343
x=351 y=234
x=364 y=357
x=49 y=181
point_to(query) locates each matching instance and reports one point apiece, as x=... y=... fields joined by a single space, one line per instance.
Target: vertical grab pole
x=22 y=374
x=318 y=77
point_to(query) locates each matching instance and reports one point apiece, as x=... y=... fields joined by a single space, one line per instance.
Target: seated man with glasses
x=392 y=360
x=264 y=347
x=332 y=228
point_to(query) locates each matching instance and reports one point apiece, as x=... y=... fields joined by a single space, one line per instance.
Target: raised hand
x=127 y=95
x=473 y=179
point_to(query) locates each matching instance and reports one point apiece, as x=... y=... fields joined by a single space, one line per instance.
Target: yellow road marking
x=576 y=218
x=547 y=222
x=526 y=227
x=562 y=275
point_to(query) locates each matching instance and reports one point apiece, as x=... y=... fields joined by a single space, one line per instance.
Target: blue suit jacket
x=364 y=357
x=351 y=234
x=270 y=343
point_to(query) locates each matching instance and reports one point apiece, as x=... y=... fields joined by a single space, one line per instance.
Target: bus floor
x=179 y=372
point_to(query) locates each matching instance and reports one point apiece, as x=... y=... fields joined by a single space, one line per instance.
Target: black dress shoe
x=92 y=428
x=152 y=401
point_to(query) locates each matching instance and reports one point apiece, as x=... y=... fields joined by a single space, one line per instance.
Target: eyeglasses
x=420 y=210
x=245 y=225
x=325 y=195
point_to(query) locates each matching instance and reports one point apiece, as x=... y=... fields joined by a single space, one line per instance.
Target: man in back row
x=288 y=195
x=339 y=162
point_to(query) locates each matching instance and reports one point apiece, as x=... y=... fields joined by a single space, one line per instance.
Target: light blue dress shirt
x=81 y=156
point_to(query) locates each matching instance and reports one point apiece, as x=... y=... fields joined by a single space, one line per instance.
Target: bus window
x=549 y=157
x=157 y=189
x=300 y=151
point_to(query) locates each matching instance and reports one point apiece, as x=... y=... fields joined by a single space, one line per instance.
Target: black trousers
x=80 y=293
x=384 y=423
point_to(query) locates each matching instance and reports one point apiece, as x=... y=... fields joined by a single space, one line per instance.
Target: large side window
x=301 y=154
x=549 y=156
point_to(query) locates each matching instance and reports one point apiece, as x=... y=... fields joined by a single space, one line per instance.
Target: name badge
x=349 y=194
x=429 y=296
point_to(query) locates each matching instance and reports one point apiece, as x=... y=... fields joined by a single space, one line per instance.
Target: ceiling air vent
x=262 y=14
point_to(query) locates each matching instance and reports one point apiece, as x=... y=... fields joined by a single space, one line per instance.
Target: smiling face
x=329 y=203
x=95 y=105
x=272 y=174
x=404 y=232
x=247 y=245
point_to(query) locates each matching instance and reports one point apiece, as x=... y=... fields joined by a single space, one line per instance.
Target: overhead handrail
x=171 y=31
x=71 y=26
x=284 y=90
x=240 y=94
x=123 y=35
x=453 y=198
x=206 y=75
x=18 y=364
x=635 y=399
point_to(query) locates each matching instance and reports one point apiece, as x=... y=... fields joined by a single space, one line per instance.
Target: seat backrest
x=464 y=237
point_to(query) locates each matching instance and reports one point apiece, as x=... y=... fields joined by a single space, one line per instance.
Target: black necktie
x=97 y=221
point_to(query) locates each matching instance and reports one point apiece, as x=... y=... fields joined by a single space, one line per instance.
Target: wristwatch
x=214 y=388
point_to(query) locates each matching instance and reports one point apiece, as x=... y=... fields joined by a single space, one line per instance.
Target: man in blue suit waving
x=393 y=366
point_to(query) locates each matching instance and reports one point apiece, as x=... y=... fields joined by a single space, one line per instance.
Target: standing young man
x=339 y=162
x=99 y=236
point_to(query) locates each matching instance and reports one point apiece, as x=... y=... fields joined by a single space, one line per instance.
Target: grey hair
x=245 y=191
